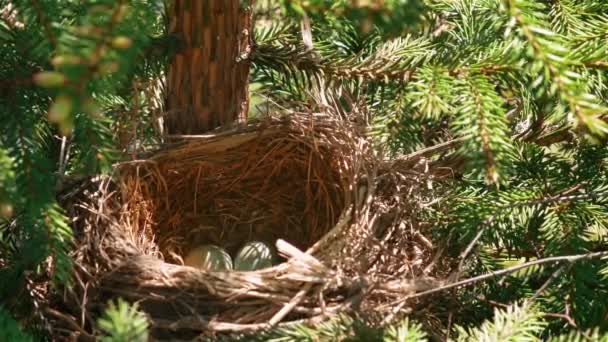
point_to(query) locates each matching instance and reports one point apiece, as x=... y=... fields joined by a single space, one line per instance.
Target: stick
x=547 y=283
x=434 y=149
x=71 y=322
x=568 y=258
x=289 y=306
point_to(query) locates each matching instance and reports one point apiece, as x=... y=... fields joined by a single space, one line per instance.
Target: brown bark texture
x=207 y=80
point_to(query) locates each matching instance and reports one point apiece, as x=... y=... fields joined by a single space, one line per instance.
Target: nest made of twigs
x=345 y=220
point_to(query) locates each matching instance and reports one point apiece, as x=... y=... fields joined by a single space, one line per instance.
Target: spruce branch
x=481 y=121
x=123 y=322
x=515 y=323
x=404 y=331
x=11 y=330
x=562 y=196
x=44 y=22
x=550 y=49
x=280 y=48
x=589 y=335
x=505 y=271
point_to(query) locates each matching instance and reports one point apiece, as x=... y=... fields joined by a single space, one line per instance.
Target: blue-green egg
x=253 y=256
x=209 y=257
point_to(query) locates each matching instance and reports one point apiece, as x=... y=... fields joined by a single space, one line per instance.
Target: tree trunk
x=207 y=81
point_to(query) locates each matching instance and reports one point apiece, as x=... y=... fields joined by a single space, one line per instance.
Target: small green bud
x=6 y=210
x=100 y=10
x=108 y=67
x=49 y=79
x=66 y=127
x=122 y=11
x=61 y=60
x=90 y=107
x=60 y=109
x=122 y=42
x=87 y=31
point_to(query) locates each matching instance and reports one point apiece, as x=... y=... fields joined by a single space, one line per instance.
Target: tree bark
x=207 y=81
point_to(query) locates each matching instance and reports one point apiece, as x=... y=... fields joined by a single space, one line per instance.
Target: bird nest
x=345 y=220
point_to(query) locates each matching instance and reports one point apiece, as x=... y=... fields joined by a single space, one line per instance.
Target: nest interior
x=261 y=185
x=344 y=219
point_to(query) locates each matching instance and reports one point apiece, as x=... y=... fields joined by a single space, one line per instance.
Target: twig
x=562 y=316
x=495 y=303
x=449 y=329
x=71 y=322
x=597 y=64
x=198 y=323
x=469 y=281
x=547 y=283
x=289 y=306
x=472 y=244
x=63 y=156
x=434 y=149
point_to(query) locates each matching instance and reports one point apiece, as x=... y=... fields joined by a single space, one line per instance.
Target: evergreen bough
x=514 y=92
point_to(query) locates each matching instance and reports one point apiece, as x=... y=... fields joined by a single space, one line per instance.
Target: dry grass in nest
x=208 y=190
x=305 y=182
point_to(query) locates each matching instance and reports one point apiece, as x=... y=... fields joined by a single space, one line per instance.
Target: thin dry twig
x=547 y=283
x=473 y=280
x=71 y=323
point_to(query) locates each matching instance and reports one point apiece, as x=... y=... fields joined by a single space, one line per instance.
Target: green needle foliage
x=122 y=322
x=11 y=330
x=65 y=69
x=516 y=89
x=341 y=328
x=521 y=324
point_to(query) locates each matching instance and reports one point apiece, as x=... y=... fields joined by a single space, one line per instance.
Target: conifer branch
x=562 y=196
x=42 y=20
x=279 y=48
x=505 y=271
x=551 y=50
